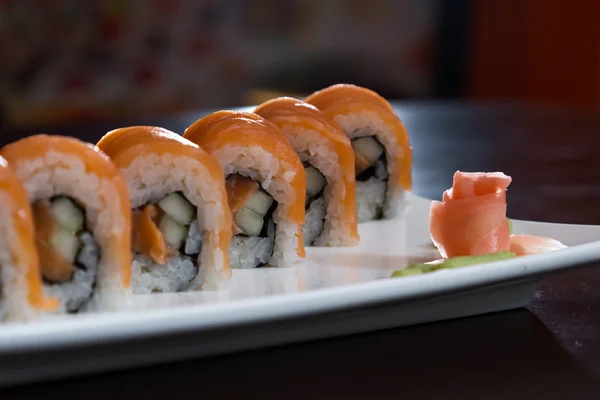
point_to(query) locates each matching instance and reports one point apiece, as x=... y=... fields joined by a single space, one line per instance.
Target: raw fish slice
x=239 y=190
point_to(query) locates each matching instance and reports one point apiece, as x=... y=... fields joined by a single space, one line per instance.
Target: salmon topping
x=147 y=238
x=54 y=267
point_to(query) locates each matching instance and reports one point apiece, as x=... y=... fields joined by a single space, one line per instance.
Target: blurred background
x=71 y=60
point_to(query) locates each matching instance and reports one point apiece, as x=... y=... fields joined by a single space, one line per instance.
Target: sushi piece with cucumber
x=181 y=222
x=253 y=228
x=328 y=160
x=22 y=296
x=383 y=154
x=81 y=216
x=266 y=186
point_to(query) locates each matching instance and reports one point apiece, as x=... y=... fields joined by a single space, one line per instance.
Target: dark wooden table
x=550 y=350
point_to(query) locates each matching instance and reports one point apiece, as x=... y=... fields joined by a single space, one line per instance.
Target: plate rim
x=128 y=324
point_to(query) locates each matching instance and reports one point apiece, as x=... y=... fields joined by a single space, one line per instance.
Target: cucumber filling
x=315 y=209
x=254 y=229
x=69 y=254
x=75 y=293
x=166 y=259
x=371 y=178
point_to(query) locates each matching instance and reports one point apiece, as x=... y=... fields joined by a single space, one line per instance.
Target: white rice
x=66 y=174
x=150 y=177
x=263 y=167
x=174 y=276
x=370 y=196
x=313 y=226
x=251 y=251
x=14 y=289
x=367 y=123
x=312 y=147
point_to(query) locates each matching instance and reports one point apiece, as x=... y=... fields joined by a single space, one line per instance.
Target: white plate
x=335 y=291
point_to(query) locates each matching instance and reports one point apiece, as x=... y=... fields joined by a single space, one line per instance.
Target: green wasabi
x=510 y=225
x=455 y=262
x=418 y=269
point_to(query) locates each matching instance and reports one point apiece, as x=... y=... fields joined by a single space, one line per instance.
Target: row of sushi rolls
x=146 y=210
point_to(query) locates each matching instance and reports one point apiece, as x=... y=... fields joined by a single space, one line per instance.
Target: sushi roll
x=383 y=155
x=328 y=161
x=182 y=225
x=266 y=186
x=81 y=216
x=21 y=293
